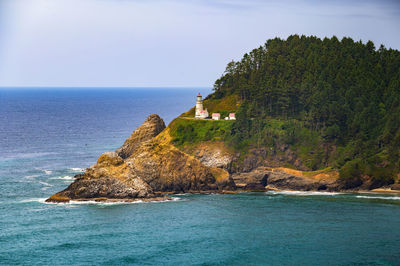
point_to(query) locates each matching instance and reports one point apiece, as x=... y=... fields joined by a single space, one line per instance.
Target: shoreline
x=110 y=200
x=380 y=191
x=167 y=195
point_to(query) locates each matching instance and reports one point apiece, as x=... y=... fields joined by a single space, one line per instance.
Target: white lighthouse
x=200 y=112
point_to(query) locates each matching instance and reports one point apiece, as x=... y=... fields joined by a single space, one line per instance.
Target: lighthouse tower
x=200 y=112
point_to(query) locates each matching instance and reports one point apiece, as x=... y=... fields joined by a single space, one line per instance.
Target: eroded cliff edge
x=144 y=167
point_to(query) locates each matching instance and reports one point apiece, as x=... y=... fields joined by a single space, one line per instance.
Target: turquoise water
x=48 y=136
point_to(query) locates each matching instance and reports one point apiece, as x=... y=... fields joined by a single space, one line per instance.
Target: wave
x=303 y=193
x=380 y=197
x=67 y=177
x=26 y=155
x=76 y=169
x=47 y=172
x=92 y=202
x=45 y=184
x=41 y=200
x=102 y=203
x=31 y=176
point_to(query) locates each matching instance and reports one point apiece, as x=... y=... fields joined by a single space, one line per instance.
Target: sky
x=166 y=43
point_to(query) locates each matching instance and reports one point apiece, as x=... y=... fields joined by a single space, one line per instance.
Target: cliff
x=149 y=165
x=148 y=130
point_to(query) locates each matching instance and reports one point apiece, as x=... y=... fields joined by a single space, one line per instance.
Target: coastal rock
x=144 y=166
x=282 y=180
x=167 y=169
x=109 y=178
x=252 y=181
x=263 y=178
x=213 y=155
x=151 y=127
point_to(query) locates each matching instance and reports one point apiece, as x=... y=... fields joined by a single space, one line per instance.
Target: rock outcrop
x=213 y=154
x=263 y=178
x=282 y=181
x=252 y=181
x=109 y=178
x=167 y=169
x=142 y=168
x=148 y=130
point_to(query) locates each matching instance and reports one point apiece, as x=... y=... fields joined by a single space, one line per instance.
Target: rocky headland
x=144 y=167
x=148 y=166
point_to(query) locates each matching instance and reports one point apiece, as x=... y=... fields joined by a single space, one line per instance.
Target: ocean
x=49 y=135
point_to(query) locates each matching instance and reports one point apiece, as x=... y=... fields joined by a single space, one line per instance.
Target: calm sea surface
x=48 y=136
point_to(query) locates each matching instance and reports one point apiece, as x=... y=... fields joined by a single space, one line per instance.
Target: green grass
x=191 y=131
x=224 y=106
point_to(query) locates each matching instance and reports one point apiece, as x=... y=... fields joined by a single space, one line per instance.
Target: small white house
x=216 y=116
x=227 y=118
x=232 y=116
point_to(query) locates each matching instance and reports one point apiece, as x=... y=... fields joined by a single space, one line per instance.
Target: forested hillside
x=336 y=103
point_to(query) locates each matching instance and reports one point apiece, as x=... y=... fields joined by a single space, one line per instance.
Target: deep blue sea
x=49 y=135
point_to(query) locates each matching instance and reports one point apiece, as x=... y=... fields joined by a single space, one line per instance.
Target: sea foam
x=380 y=197
x=303 y=193
x=102 y=203
x=45 y=184
x=31 y=176
x=67 y=177
x=76 y=169
x=41 y=200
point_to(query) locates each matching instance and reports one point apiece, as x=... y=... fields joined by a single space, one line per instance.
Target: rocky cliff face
x=148 y=130
x=213 y=154
x=143 y=167
x=165 y=168
x=217 y=154
x=264 y=178
x=109 y=178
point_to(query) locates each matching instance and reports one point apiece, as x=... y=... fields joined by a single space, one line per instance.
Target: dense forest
x=340 y=94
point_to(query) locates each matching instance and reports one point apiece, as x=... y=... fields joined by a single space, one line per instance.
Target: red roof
x=216 y=114
x=199 y=95
x=232 y=115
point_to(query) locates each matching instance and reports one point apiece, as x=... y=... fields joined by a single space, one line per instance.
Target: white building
x=200 y=112
x=216 y=116
x=232 y=116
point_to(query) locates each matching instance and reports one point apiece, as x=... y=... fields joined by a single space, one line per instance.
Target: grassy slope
x=186 y=131
x=224 y=106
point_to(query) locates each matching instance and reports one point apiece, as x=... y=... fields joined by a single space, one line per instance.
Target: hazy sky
x=166 y=42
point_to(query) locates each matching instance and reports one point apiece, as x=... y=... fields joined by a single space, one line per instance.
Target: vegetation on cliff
x=332 y=103
x=189 y=131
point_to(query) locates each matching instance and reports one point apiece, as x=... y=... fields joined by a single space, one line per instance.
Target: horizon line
x=104 y=87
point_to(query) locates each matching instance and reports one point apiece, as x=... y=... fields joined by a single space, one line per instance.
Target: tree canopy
x=346 y=91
